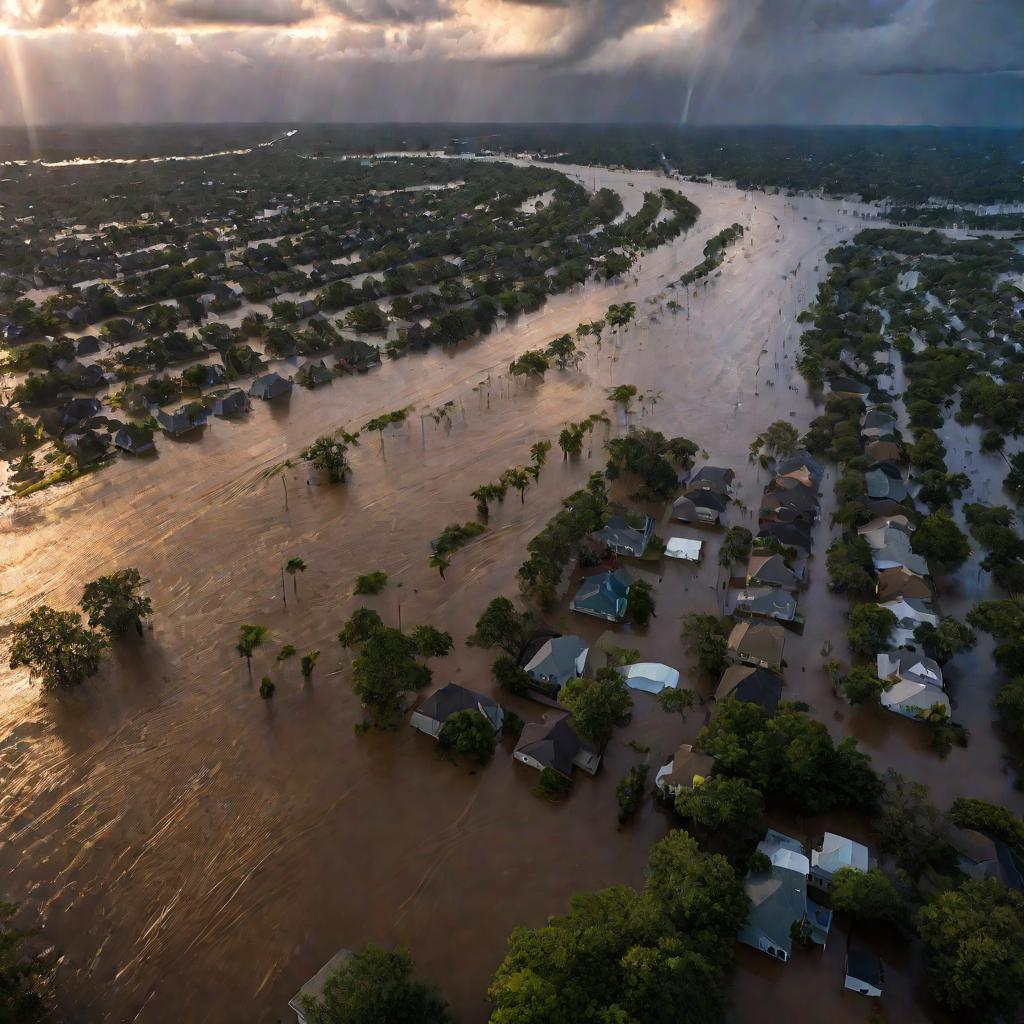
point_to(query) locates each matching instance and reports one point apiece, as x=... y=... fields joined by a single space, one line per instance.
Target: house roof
x=771 y=569
x=702 y=499
x=763 y=641
x=839 y=852
x=558 y=660
x=683 y=548
x=618 y=532
x=650 y=676
x=687 y=768
x=865 y=966
x=887 y=450
x=711 y=478
x=754 y=685
x=778 y=897
x=909 y=666
x=443 y=703
x=770 y=602
x=791 y=535
x=798 y=462
x=895 y=583
x=553 y=744
x=907 y=697
x=314 y=988
x=605 y=593
x=881 y=485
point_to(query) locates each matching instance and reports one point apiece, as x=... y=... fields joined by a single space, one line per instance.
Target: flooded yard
x=196 y=853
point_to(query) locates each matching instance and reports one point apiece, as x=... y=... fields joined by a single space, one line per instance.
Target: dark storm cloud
x=231 y=12
x=392 y=12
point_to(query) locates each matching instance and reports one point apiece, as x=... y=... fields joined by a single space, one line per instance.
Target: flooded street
x=196 y=853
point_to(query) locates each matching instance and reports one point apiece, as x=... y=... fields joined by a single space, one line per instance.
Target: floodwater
x=196 y=853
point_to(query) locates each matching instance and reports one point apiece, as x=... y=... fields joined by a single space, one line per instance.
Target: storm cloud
x=740 y=61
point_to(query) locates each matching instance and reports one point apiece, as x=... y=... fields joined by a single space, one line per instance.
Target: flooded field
x=196 y=853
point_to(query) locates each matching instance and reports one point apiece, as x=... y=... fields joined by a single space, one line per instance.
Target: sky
x=695 y=61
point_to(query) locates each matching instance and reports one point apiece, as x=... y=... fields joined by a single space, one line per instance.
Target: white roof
x=684 y=548
x=839 y=852
x=790 y=860
x=906 y=696
x=650 y=676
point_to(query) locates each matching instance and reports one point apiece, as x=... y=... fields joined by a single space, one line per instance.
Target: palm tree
x=249 y=638
x=440 y=563
x=518 y=479
x=623 y=395
x=293 y=566
x=308 y=662
x=539 y=453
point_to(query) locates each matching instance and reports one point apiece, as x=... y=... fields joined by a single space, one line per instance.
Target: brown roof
x=900 y=582
x=762 y=641
x=688 y=764
x=883 y=451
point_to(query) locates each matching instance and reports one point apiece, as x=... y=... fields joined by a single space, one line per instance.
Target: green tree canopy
x=470 y=734
x=501 y=625
x=868 y=896
x=115 y=603
x=376 y=987
x=938 y=539
x=24 y=976
x=871 y=626
x=597 y=704
x=975 y=941
x=384 y=671
x=56 y=647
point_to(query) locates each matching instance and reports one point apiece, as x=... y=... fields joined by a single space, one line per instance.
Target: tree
x=564 y=351
x=431 y=642
x=362 y=624
x=509 y=676
x=630 y=791
x=946 y=639
x=533 y=363
x=502 y=626
x=518 y=479
x=56 y=647
x=1005 y=621
x=656 y=956
x=707 y=640
x=249 y=638
x=307 y=663
x=938 y=539
x=539 y=455
x=597 y=704
x=24 y=976
x=861 y=685
x=641 y=603
x=328 y=454
x=376 y=987
x=470 y=734
x=115 y=603
x=674 y=700
x=386 y=670
x=1009 y=702
x=388 y=419
x=727 y=812
x=267 y=687
x=992 y=819
x=735 y=546
x=1014 y=481
x=850 y=567
x=371 y=583
x=871 y=625
x=975 y=941
x=868 y=896
x=622 y=395
x=913 y=829
x=570 y=440
x=781 y=439
x=293 y=567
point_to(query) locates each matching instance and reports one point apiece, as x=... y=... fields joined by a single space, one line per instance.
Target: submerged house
x=771 y=571
x=757 y=643
x=767 y=603
x=778 y=900
x=313 y=373
x=182 y=420
x=712 y=478
x=899 y=583
x=835 y=853
x=916 y=683
x=228 y=402
x=431 y=715
x=313 y=990
x=604 y=596
x=864 y=973
x=753 y=685
x=134 y=439
x=623 y=537
x=557 y=661
x=700 y=506
x=555 y=745
x=270 y=386
x=686 y=769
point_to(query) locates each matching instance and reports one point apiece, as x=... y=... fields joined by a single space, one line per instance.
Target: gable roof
x=754 y=685
x=839 y=852
x=761 y=641
x=687 y=768
x=711 y=478
x=444 y=703
x=605 y=594
x=769 y=602
x=558 y=660
x=900 y=582
x=553 y=744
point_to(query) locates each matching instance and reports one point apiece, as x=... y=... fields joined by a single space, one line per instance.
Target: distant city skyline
x=943 y=62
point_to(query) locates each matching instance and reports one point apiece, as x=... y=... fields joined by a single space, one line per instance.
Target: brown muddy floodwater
x=196 y=853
